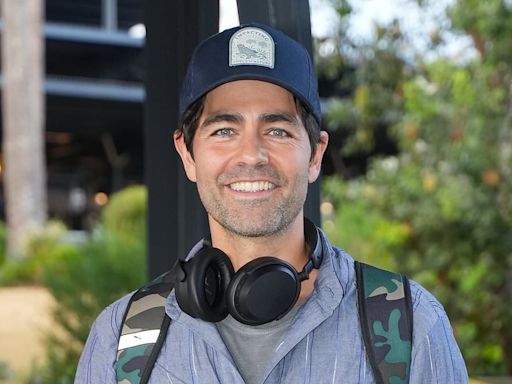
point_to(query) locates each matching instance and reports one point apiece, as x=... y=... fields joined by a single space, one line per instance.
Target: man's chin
x=250 y=226
x=250 y=231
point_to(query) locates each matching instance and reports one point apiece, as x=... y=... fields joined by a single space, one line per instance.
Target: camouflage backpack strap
x=385 y=313
x=143 y=331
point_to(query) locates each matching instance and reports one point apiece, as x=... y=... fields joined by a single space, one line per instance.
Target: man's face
x=252 y=158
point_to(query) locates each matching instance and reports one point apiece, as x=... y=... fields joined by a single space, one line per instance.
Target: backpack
x=385 y=313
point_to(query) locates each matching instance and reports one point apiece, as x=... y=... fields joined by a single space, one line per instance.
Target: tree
x=361 y=80
x=23 y=119
x=440 y=209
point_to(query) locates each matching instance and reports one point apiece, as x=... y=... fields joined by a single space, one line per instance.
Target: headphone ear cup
x=263 y=290
x=202 y=290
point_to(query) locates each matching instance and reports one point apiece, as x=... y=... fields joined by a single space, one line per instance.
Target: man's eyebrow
x=276 y=117
x=222 y=117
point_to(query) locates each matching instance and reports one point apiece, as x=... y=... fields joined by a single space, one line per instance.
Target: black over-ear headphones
x=263 y=290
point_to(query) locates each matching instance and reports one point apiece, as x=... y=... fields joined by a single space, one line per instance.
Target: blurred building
x=94 y=103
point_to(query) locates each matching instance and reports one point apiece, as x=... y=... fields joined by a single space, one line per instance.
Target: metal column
x=176 y=218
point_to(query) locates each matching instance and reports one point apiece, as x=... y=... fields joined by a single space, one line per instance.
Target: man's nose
x=252 y=149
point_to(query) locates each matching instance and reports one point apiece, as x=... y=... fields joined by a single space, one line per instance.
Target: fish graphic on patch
x=249 y=52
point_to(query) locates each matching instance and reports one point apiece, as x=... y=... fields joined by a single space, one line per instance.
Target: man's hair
x=190 y=123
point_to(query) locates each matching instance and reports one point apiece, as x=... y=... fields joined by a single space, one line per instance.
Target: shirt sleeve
x=98 y=357
x=436 y=357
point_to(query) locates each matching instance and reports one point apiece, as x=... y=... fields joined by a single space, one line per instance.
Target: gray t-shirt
x=252 y=345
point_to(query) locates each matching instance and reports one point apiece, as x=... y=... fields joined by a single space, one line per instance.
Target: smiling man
x=265 y=298
x=252 y=164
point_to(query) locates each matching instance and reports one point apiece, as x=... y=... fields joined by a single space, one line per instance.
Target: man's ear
x=186 y=157
x=315 y=163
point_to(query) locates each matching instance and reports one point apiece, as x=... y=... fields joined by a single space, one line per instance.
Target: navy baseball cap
x=251 y=52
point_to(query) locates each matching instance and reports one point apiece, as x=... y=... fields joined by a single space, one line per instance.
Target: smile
x=251 y=186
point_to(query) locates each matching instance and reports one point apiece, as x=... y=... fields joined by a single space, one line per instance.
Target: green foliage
x=104 y=269
x=365 y=78
x=88 y=277
x=357 y=228
x=342 y=7
x=125 y=214
x=466 y=240
x=447 y=188
x=45 y=246
x=3 y=243
x=376 y=98
x=489 y=23
x=445 y=199
x=5 y=373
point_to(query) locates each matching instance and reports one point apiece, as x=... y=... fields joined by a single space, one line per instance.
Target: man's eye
x=223 y=132
x=279 y=132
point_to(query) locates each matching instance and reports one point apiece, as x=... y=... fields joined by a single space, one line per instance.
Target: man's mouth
x=251 y=186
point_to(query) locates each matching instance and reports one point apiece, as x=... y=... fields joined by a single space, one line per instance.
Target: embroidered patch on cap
x=251 y=46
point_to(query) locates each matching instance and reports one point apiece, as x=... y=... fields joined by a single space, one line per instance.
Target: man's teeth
x=247 y=186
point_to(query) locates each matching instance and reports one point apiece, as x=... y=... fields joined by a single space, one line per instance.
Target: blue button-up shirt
x=324 y=343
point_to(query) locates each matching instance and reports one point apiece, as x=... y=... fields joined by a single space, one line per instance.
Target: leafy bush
x=442 y=206
x=443 y=192
x=366 y=234
x=3 y=240
x=45 y=246
x=107 y=266
x=125 y=214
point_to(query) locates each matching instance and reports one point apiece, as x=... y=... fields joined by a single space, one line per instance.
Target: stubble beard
x=259 y=217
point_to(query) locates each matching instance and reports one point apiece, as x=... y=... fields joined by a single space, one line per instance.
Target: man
x=250 y=139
